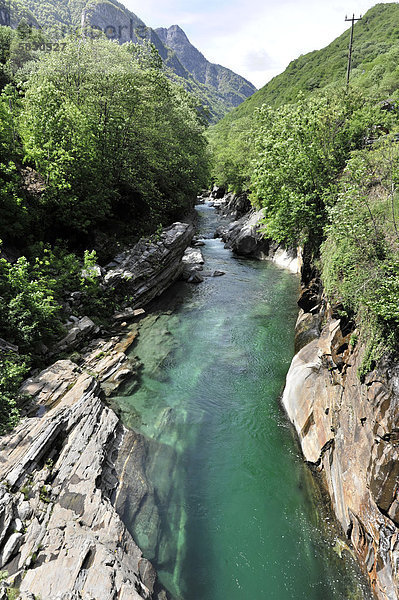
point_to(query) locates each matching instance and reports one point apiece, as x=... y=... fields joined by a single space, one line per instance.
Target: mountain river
x=236 y=514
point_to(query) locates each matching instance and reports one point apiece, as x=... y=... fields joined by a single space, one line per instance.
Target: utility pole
x=348 y=73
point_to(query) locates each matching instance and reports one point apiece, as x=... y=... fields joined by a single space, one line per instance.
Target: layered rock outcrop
x=148 y=269
x=349 y=431
x=244 y=236
x=60 y=534
x=63 y=479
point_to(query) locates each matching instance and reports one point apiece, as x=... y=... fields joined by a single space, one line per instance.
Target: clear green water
x=233 y=507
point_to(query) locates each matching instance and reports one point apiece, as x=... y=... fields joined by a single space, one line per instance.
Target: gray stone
x=148 y=269
x=10 y=548
x=7 y=347
x=72 y=529
x=195 y=277
x=79 y=333
x=193 y=256
x=24 y=511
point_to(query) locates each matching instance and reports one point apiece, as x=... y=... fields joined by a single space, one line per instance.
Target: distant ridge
x=219 y=89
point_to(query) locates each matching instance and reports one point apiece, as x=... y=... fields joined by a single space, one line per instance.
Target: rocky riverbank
x=62 y=470
x=348 y=431
x=243 y=234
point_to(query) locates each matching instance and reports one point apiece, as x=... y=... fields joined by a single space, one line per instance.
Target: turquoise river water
x=236 y=513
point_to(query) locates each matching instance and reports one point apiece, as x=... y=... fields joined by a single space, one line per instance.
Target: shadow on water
x=230 y=509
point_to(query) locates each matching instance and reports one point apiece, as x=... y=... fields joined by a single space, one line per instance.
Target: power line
x=352 y=20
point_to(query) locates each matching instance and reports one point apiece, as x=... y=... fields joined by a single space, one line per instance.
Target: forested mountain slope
x=374 y=63
x=220 y=91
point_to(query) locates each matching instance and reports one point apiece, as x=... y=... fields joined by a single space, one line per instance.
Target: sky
x=255 y=38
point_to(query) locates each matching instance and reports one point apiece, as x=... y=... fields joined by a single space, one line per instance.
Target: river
x=236 y=513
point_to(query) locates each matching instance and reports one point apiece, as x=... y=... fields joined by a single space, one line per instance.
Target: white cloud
x=259 y=60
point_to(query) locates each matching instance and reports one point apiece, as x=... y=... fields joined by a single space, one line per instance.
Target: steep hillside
x=375 y=69
x=218 y=89
x=375 y=35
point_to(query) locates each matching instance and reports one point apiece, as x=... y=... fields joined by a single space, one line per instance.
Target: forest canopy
x=95 y=144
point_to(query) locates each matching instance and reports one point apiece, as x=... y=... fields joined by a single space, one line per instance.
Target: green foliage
x=28 y=310
x=232 y=151
x=14 y=217
x=92 y=137
x=300 y=150
x=110 y=136
x=360 y=256
x=12 y=372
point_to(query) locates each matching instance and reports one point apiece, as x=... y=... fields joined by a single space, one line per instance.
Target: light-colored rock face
x=350 y=430
x=60 y=535
x=148 y=269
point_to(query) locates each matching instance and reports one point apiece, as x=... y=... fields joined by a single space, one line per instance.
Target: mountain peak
x=173 y=35
x=204 y=71
x=219 y=89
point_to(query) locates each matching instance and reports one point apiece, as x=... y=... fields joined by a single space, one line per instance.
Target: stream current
x=235 y=513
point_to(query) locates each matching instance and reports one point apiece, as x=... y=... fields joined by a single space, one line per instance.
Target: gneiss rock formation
x=62 y=471
x=349 y=430
x=61 y=536
x=145 y=271
x=244 y=235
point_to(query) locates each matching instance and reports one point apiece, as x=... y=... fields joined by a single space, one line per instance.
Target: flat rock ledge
x=348 y=430
x=60 y=535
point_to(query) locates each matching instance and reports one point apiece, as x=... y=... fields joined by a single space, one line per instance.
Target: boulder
x=193 y=261
x=218 y=192
x=234 y=206
x=193 y=256
x=148 y=269
x=78 y=334
x=244 y=236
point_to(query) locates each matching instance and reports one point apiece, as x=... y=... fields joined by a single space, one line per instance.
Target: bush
x=29 y=313
x=12 y=372
x=360 y=257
